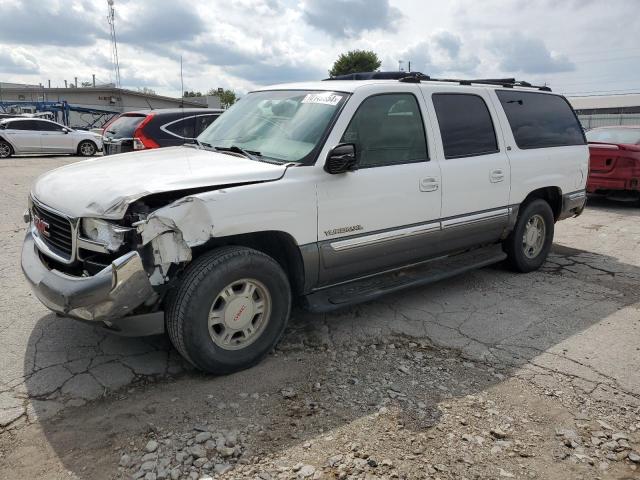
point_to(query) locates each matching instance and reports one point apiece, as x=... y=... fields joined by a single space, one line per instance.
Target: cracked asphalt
x=574 y=323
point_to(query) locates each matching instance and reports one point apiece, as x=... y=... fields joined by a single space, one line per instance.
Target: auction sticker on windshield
x=323 y=98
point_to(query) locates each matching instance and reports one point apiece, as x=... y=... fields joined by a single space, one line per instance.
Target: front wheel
x=529 y=243
x=5 y=149
x=87 y=148
x=230 y=309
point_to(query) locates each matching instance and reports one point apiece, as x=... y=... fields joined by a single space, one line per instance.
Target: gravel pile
x=394 y=410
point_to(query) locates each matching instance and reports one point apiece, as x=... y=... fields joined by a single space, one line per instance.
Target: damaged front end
x=171 y=232
x=113 y=273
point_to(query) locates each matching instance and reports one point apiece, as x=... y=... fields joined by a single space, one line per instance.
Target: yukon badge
x=338 y=231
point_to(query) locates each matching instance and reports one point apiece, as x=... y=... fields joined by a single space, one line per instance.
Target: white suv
x=329 y=193
x=38 y=135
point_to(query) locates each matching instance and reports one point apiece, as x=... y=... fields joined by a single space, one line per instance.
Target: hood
x=105 y=186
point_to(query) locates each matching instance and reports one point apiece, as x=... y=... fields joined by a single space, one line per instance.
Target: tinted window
x=540 y=120
x=203 y=121
x=465 y=125
x=24 y=125
x=387 y=130
x=183 y=128
x=49 y=127
x=124 y=126
x=623 y=135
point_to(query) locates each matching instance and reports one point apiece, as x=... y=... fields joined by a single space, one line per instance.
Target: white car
x=37 y=135
x=329 y=193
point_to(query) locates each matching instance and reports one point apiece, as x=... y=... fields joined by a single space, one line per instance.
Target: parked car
x=146 y=129
x=330 y=193
x=38 y=135
x=614 y=162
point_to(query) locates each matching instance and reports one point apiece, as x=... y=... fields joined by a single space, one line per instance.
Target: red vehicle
x=614 y=165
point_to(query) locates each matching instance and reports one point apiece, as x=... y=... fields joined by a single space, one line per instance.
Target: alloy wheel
x=239 y=314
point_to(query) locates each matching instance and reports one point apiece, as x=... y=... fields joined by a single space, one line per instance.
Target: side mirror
x=341 y=159
x=66 y=130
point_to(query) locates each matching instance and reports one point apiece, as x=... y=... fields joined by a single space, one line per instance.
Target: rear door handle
x=496 y=175
x=429 y=184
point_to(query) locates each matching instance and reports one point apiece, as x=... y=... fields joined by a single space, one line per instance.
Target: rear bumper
x=106 y=297
x=607 y=182
x=573 y=204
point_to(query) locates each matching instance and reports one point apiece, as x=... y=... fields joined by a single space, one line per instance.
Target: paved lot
x=574 y=325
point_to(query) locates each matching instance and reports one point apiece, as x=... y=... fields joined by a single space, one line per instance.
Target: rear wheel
x=5 y=149
x=230 y=309
x=87 y=148
x=529 y=243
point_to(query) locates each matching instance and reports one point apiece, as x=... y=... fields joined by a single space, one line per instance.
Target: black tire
x=514 y=244
x=87 y=148
x=189 y=306
x=6 y=150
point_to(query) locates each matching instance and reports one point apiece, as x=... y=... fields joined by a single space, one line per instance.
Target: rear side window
x=182 y=128
x=203 y=121
x=465 y=125
x=24 y=125
x=540 y=120
x=124 y=126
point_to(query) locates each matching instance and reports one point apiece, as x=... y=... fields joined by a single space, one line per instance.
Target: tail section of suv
x=331 y=192
x=144 y=129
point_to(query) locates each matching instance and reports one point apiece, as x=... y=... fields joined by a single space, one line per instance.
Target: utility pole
x=181 y=84
x=114 y=44
x=94 y=80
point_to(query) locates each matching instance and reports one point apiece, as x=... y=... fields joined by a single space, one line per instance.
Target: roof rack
x=418 y=77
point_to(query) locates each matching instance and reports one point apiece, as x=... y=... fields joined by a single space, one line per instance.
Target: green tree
x=227 y=97
x=355 y=61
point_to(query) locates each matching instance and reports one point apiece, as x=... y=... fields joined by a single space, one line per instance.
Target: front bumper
x=105 y=297
x=573 y=204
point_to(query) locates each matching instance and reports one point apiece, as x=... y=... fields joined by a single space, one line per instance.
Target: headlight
x=106 y=233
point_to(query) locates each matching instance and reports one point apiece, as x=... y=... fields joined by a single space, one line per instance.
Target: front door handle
x=429 y=184
x=496 y=175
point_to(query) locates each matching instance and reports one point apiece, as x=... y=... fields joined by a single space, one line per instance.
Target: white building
x=99 y=98
x=604 y=110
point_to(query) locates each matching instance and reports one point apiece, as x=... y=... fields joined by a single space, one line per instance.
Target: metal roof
x=605 y=101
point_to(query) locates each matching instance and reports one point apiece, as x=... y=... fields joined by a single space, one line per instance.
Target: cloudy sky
x=576 y=46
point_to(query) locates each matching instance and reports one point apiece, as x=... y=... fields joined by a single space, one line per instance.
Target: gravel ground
x=488 y=375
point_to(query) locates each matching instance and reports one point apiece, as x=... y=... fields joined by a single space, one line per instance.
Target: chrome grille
x=59 y=229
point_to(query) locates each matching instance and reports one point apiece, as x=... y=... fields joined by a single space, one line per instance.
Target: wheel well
x=552 y=195
x=86 y=140
x=278 y=245
x=7 y=142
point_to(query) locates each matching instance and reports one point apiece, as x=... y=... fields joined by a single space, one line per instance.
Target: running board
x=363 y=290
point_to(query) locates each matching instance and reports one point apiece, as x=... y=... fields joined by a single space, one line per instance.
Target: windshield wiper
x=250 y=154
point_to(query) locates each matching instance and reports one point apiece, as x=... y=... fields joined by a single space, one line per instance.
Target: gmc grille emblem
x=41 y=226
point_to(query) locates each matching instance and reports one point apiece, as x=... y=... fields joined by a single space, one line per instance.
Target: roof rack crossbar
x=417 y=77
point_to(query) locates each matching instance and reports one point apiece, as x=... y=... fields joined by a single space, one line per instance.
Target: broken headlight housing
x=109 y=234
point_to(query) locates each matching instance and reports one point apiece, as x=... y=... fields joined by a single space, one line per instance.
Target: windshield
x=285 y=126
x=614 y=135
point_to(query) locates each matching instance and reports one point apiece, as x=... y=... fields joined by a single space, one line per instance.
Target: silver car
x=37 y=135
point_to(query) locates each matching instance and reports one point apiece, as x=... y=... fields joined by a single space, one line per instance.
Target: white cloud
x=242 y=44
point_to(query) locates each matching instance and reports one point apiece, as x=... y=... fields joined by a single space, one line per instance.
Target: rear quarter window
x=540 y=120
